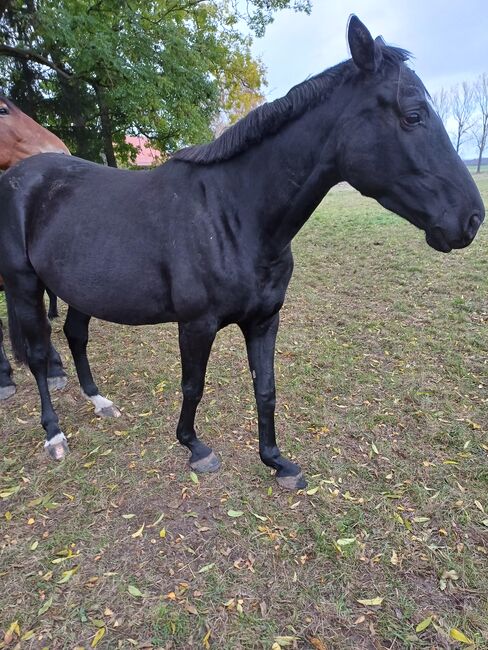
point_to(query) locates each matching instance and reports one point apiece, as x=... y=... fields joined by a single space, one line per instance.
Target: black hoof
x=57 y=383
x=297 y=482
x=108 y=412
x=205 y=465
x=57 y=448
x=7 y=391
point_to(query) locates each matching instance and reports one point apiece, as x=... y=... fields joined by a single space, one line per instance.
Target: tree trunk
x=106 y=123
x=478 y=168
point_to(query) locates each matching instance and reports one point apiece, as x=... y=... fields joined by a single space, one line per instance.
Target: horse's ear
x=365 y=52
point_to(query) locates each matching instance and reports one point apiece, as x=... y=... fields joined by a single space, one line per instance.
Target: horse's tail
x=16 y=337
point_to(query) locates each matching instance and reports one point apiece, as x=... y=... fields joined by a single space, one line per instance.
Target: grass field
x=382 y=374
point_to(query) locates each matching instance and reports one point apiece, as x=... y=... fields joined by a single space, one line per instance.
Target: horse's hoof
x=57 y=383
x=297 y=482
x=7 y=391
x=108 y=412
x=205 y=465
x=57 y=447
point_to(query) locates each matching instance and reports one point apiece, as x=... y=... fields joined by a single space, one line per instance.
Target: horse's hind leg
x=27 y=311
x=76 y=331
x=7 y=386
x=195 y=345
x=53 y=305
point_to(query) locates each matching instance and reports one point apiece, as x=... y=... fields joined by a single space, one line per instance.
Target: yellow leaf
x=371 y=601
x=312 y=491
x=205 y=640
x=27 y=635
x=31 y=521
x=67 y=575
x=285 y=641
x=194 y=478
x=479 y=506
x=162 y=533
x=394 y=557
x=13 y=629
x=138 y=533
x=459 y=636
x=99 y=635
x=34 y=545
x=8 y=515
x=345 y=541
x=423 y=625
x=45 y=607
x=9 y=492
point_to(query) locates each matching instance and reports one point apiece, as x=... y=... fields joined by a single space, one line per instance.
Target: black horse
x=208 y=233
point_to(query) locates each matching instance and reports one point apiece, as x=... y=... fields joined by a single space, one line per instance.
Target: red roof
x=146 y=156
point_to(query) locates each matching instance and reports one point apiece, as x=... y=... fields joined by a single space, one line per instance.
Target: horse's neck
x=290 y=173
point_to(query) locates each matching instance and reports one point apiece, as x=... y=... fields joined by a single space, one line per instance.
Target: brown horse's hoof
x=57 y=447
x=297 y=482
x=7 y=391
x=205 y=465
x=57 y=383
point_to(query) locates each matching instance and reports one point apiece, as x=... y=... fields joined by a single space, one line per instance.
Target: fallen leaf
x=345 y=541
x=260 y=517
x=285 y=641
x=423 y=625
x=459 y=636
x=235 y=513
x=129 y=516
x=13 y=629
x=134 y=591
x=194 y=478
x=67 y=575
x=394 y=558
x=5 y=494
x=206 y=568
x=191 y=608
x=27 y=635
x=205 y=639
x=45 y=607
x=99 y=635
x=312 y=491
x=371 y=601
x=162 y=533
x=34 y=545
x=138 y=533
x=317 y=643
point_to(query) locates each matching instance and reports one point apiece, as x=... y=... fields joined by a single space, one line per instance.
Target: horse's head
x=21 y=137
x=394 y=147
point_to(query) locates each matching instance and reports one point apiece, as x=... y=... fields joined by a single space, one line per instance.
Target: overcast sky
x=448 y=38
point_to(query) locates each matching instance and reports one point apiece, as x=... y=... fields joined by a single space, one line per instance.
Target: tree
x=442 y=104
x=96 y=70
x=462 y=108
x=480 y=127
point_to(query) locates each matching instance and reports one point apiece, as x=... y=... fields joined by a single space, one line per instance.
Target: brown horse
x=21 y=137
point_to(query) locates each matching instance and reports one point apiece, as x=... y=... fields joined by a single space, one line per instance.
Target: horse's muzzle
x=442 y=240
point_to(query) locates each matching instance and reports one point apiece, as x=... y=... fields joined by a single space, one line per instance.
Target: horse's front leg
x=260 y=342
x=7 y=386
x=195 y=341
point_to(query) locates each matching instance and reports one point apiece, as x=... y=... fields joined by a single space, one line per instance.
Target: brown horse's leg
x=195 y=344
x=76 y=331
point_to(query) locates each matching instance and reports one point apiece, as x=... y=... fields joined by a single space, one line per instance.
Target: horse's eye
x=412 y=119
x=3 y=110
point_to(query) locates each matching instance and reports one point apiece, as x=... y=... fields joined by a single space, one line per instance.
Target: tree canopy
x=96 y=70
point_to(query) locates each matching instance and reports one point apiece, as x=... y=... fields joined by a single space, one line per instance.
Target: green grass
x=381 y=370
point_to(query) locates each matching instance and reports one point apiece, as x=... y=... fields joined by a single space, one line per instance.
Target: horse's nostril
x=474 y=224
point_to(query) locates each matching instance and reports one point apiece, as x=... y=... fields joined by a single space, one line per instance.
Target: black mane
x=271 y=116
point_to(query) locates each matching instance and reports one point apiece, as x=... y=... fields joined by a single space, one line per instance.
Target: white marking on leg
x=56 y=440
x=100 y=403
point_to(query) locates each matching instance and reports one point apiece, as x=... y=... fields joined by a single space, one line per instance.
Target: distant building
x=146 y=156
